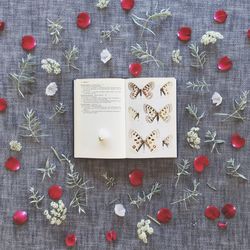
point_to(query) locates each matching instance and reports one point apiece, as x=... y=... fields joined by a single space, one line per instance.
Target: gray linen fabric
x=188 y=230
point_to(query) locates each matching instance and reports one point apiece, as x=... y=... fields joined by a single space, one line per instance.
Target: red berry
x=212 y=212
x=222 y=225
x=28 y=42
x=83 y=20
x=2 y=25
x=136 y=177
x=111 y=235
x=220 y=16
x=70 y=240
x=164 y=215
x=237 y=141
x=12 y=164
x=184 y=34
x=135 y=69
x=229 y=210
x=200 y=162
x=20 y=217
x=127 y=4
x=55 y=192
x=3 y=104
x=225 y=63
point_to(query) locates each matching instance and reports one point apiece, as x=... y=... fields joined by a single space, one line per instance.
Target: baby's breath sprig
x=232 y=169
x=59 y=108
x=211 y=138
x=32 y=125
x=15 y=145
x=55 y=28
x=146 y=55
x=24 y=76
x=107 y=34
x=102 y=4
x=48 y=169
x=200 y=57
x=193 y=111
x=109 y=180
x=182 y=169
x=189 y=194
x=71 y=55
x=238 y=108
x=176 y=56
x=199 y=85
x=193 y=138
x=58 y=213
x=35 y=198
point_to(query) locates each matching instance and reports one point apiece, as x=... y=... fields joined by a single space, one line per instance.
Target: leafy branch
x=200 y=58
x=107 y=34
x=71 y=55
x=109 y=180
x=55 y=28
x=193 y=111
x=199 y=85
x=182 y=168
x=59 y=108
x=232 y=169
x=48 y=169
x=35 y=198
x=211 y=138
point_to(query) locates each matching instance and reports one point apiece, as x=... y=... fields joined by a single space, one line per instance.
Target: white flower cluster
x=15 y=146
x=193 y=138
x=51 y=66
x=176 y=57
x=102 y=4
x=143 y=228
x=211 y=37
x=58 y=214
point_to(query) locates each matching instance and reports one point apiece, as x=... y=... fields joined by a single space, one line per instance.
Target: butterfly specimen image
x=138 y=142
x=165 y=89
x=133 y=113
x=152 y=113
x=166 y=141
x=146 y=90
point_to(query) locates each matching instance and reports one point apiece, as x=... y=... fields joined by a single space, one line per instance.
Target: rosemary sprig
x=79 y=200
x=232 y=169
x=109 y=180
x=211 y=138
x=146 y=55
x=59 y=108
x=48 y=169
x=238 y=108
x=107 y=34
x=25 y=75
x=189 y=194
x=71 y=55
x=193 y=111
x=199 y=57
x=32 y=126
x=182 y=168
x=35 y=198
x=55 y=28
x=199 y=85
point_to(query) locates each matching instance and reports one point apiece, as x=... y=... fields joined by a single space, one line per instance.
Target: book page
x=99 y=118
x=151 y=118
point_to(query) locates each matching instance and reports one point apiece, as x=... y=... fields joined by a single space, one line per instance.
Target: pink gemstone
x=127 y=4
x=136 y=177
x=12 y=164
x=111 y=236
x=28 y=42
x=200 y=162
x=135 y=69
x=2 y=25
x=222 y=225
x=229 y=210
x=220 y=16
x=224 y=63
x=83 y=20
x=70 y=240
x=184 y=34
x=248 y=34
x=20 y=217
x=55 y=192
x=212 y=212
x=164 y=215
x=3 y=104
x=237 y=141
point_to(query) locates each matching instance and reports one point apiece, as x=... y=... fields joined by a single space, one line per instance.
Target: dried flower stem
x=35 y=198
x=109 y=180
x=48 y=170
x=182 y=168
x=71 y=55
x=198 y=85
x=200 y=57
x=60 y=108
x=79 y=200
x=193 y=110
x=154 y=220
x=55 y=28
x=211 y=138
x=211 y=187
x=232 y=169
x=107 y=34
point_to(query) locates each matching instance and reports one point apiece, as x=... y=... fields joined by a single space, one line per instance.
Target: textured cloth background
x=188 y=229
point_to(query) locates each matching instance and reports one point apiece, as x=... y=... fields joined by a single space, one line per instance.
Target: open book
x=125 y=118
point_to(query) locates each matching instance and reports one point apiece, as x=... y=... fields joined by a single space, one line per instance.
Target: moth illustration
x=146 y=90
x=152 y=114
x=133 y=113
x=138 y=142
x=165 y=89
x=166 y=141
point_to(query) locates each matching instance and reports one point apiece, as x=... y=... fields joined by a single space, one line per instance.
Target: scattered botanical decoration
x=136 y=177
x=237 y=141
x=211 y=187
x=58 y=213
x=157 y=15
x=144 y=229
x=83 y=20
x=182 y=169
x=222 y=225
x=12 y=164
x=59 y=108
x=48 y=169
x=107 y=34
x=193 y=138
x=2 y=25
x=71 y=55
x=216 y=99
x=229 y=210
x=224 y=63
x=120 y=210
x=28 y=43
x=55 y=28
x=20 y=217
x=135 y=69
x=127 y=4
x=176 y=56
x=51 y=66
x=142 y=198
x=193 y=111
x=211 y=37
x=200 y=162
x=238 y=108
x=35 y=198
x=70 y=240
x=164 y=215
x=184 y=34
x=102 y=4
x=32 y=126
x=232 y=169
x=51 y=89
x=199 y=85
x=220 y=16
x=55 y=192
x=105 y=56
x=111 y=236
x=25 y=75
x=212 y=212
x=211 y=138
x=15 y=146
x=109 y=180
x=189 y=194
x=200 y=57
x=3 y=104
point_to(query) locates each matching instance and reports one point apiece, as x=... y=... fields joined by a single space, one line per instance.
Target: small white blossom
x=176 y=57
x=51 y=66
x=211 y=37
x=51 y=89
x=144 y=229
x=102 y=4
x=193 y=138
x=105 y=56
x=216 y=99
x=15 y=146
